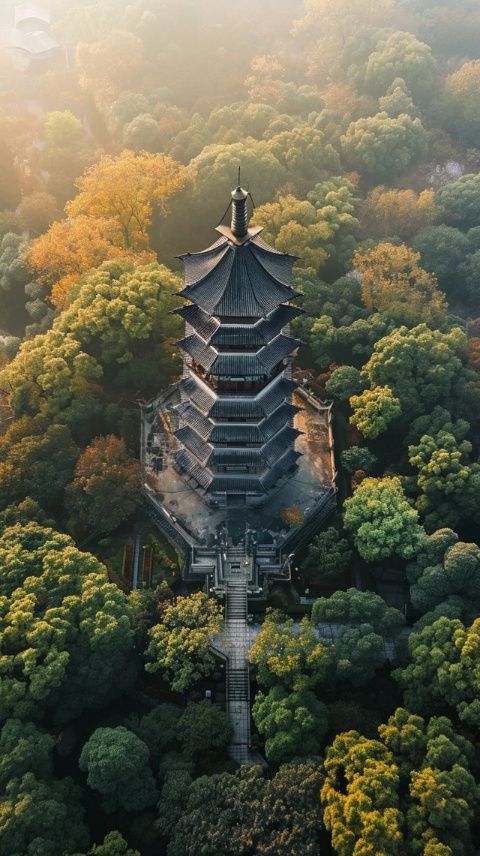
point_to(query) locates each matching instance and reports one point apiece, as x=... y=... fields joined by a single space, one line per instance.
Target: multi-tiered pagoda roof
x=236 y=436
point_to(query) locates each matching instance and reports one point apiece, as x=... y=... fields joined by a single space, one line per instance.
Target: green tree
x=423 y=368
x=293 y=723
x=179 y=646
x=459 y=202
x=142 y=134
x=118 y=327
x=105 y=490
x=328 y=556
x=173 y=797
x=36 y=461
x=14 y=277
x=26 y=511
x=203 y=727
x=437 y=421
x=401 y=55
x=444 y=669
x=359 y=652
x=344 y=382
x=54 y=378
x=469 y=272
x=284 y=654
x=242 y=813
x=353 y=607
x=113 y=844
x=122 y=313
x=10 y=194
x=464 y=84
x=381 y=520
x=24 y=749
x=116 y=762
x=318 y=228
x=358 y=458
x=411 y=791
x=41 y=817
x=66 y=637
x=157 y=729
x=397 y=100
x=448 y=483
x=374 y=410
x=443 y=568
x=442 y=250
x=66 y=154
x=379 y=146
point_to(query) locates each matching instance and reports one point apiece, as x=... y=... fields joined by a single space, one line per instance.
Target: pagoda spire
x=239 y=225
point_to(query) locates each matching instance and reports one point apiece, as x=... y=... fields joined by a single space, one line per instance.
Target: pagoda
x=235 y=436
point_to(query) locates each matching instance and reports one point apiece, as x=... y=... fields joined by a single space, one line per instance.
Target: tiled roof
x=237 y=408
x=192 y=416
x=189 y=465
x=236 y=432
x=199 y=393
x=238 y=335
x=203 y=323
x=254 y=407
x=194 y=443
x=236 y=484
x=238 y=364
x=247 y=281
x=275 y=447
x=221 y=457
x=281 y=416
x=275 y=393
x=282 y=466
x=276 y=350
x=202 y=353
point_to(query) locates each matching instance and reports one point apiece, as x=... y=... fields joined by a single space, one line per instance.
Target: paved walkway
x=235 y=642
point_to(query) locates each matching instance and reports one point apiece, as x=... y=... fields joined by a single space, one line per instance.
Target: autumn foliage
x=394 y=283
x=125 y=189
x=105 y=488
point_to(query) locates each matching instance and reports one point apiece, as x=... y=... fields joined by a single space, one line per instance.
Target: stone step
x=238 y=684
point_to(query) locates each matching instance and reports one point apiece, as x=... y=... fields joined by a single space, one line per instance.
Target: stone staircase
x=236 y=600
x=238 y=679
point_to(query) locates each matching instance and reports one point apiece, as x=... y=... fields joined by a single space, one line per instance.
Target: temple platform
x=291 y=503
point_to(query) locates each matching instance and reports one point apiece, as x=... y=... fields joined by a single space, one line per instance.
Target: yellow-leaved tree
x=394 y=283
x=109 y=218
x=388 y=212
x=125 y=189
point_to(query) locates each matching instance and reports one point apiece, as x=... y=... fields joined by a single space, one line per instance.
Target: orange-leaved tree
x=109 y=218
x=105 y=490
x=70 y=248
